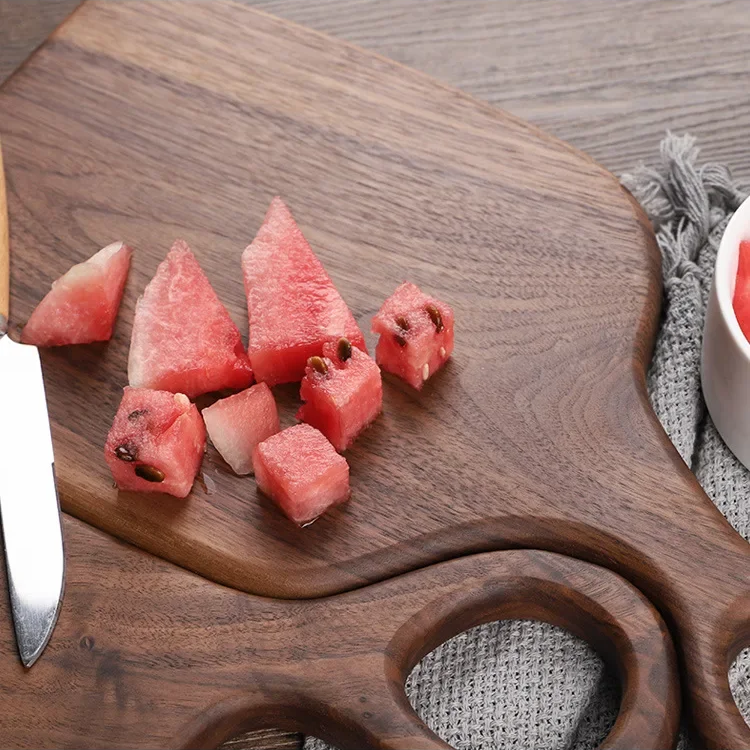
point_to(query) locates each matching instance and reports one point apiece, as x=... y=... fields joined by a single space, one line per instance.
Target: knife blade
x=29 y=506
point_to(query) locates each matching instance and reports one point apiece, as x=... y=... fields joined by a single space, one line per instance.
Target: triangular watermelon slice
x=82 y=305
x=292 y=304
x=183 y=338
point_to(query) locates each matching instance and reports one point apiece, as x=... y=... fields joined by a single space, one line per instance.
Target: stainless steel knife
x=29 y=507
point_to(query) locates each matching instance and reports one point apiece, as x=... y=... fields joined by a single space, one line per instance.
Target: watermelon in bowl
x=301 y=472
x=293 y=306
x=416 y=335
x=741 y=297
x=156 y=442
x=725 y=354
x=82 y=305
x=343 y=393
x=183 y=338
x=238 y=423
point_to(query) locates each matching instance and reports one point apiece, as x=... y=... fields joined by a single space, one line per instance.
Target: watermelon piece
x=183 y=338
x=156 y=442
x=238 y=423
x=301 y=471
x=343 y=393
x=416 y=335
x=741 y=300
x=83 y=303
x=292 y=304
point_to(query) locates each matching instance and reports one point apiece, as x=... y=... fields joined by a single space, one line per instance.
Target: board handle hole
x=739 y=683
x=513 y=683
x=520 y=683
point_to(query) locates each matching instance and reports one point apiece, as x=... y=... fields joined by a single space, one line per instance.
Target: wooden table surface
x=607 y=77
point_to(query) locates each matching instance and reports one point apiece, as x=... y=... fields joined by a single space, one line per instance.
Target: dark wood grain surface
x=186 y=120
x=147 y=655
x=618 y=128
x=24 y=25
x=608 y=77
x=391 y=176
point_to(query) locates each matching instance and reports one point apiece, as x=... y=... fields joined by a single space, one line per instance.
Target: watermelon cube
x=301 y=471
x=342 y=391
x=156 y=442
x=416 y=335
x=83 y=303
x=292 y=304
x=183 y=338
x=741 y=300
x=238 y=423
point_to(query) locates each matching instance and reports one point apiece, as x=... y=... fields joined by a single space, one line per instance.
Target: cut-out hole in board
x=515 y=684
x=739 y=682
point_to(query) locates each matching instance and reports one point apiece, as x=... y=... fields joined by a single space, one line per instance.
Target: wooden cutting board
x=150 y=121
x=146 y=655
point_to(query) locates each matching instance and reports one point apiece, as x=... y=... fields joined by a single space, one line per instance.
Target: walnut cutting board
x=150 y=121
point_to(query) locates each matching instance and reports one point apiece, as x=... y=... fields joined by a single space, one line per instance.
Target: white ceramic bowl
x=725 y=359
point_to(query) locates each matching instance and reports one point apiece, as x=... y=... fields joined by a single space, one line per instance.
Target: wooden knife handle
x=148 y=655
x=4 y=251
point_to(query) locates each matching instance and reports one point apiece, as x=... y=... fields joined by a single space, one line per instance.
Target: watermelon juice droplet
x=209 y=486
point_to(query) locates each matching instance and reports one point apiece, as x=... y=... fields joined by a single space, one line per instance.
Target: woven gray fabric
x=519 y=684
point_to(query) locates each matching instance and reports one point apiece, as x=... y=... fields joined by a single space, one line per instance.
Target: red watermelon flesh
x=741 y=301
x=416 y=335
x=156 y=442
x=238 y=423
x=293 y=306
x=183 y=338
x=82 y=305
x=343 y=393
x=301 y=471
